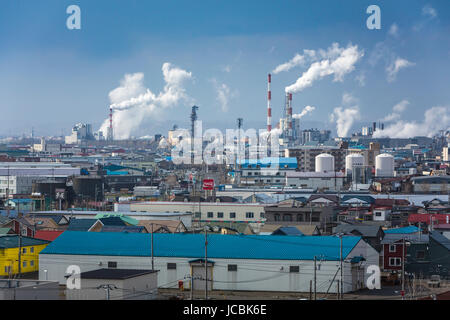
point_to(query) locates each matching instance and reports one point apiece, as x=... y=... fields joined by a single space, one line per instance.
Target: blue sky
x=52 y=77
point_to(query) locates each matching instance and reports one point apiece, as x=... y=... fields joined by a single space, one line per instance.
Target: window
x=232 y=267
x=276 y=217
x=287 y=217
x=32 y=250
x=24 y=250
x=232 y=215
x=378 y=214
x=420 y=255
x=171 y=266
x=210 y=214
x=392 y=248
x=261 y=214
x=112 y=264
x=249 y=215
x=219 y=214
x=395 y=262
x=24 y=264
x=7 y=269
x=198 y=214
x=294 y=269
x=32 y=263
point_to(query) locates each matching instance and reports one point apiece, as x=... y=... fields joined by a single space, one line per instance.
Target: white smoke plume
x=345 y=115
x=304 y=112
x=133 y=103
x=337 y=61
x=435 y=119
x=297 y=60
x=224 y=94
x=393 y=68
x=396 y=111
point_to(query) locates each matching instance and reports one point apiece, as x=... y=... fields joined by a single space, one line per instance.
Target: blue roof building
x=235 y=262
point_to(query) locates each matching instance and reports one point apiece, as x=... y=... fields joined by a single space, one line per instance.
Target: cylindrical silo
x=353 y=160
x=324 y=163
x=384 y=165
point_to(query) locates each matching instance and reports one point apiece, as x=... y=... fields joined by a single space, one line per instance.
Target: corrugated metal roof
x=12 y=241
x=193 y=245
x=405 y=230
x=81 y=224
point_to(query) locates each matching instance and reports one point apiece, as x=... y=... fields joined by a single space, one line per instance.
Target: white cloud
x=395 y=66
x=345 y=115
x=227 y=69
x=435 y=119
x=396 y=111
x=393 y=30
x=361 y=78
x=338 y=62
x=134 y=104
x=429 y=11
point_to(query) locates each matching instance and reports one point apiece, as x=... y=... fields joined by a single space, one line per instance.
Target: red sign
x=208 y=184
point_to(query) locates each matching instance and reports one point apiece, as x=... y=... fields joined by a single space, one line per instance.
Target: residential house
x=373 y=234
x=20 y=226
x=408 y=247
x=29 y=254
x=287 y=231
x=164 y=226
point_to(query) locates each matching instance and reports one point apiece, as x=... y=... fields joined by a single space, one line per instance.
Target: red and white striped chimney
x=269 y=108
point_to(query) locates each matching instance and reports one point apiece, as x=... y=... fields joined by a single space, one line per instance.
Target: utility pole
x=342 y=274
x=206 y=263
x=315 y=278
x=107 y=288
x=192 y=285
x=20 y=250
x=153 y=264
x=403 y=270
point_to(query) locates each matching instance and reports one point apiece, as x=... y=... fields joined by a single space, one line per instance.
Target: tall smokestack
x=289 y=116
x=110 y=135
x=269 y=109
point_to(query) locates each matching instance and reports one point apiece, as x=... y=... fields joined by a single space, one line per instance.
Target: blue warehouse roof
x=192 y=245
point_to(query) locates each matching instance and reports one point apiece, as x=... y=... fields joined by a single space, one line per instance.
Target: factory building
x=18 y=177
x=431 y=184
x=80 y=132
x=316 y=180
x=270 y=171
x=37 y=169
x=369 y=153
x=235 y=262
x=202 y=212
x=306 y=156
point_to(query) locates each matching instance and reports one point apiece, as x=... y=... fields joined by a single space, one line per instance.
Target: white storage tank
x=324 y=163
x=353 y=160
x=384 y=165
